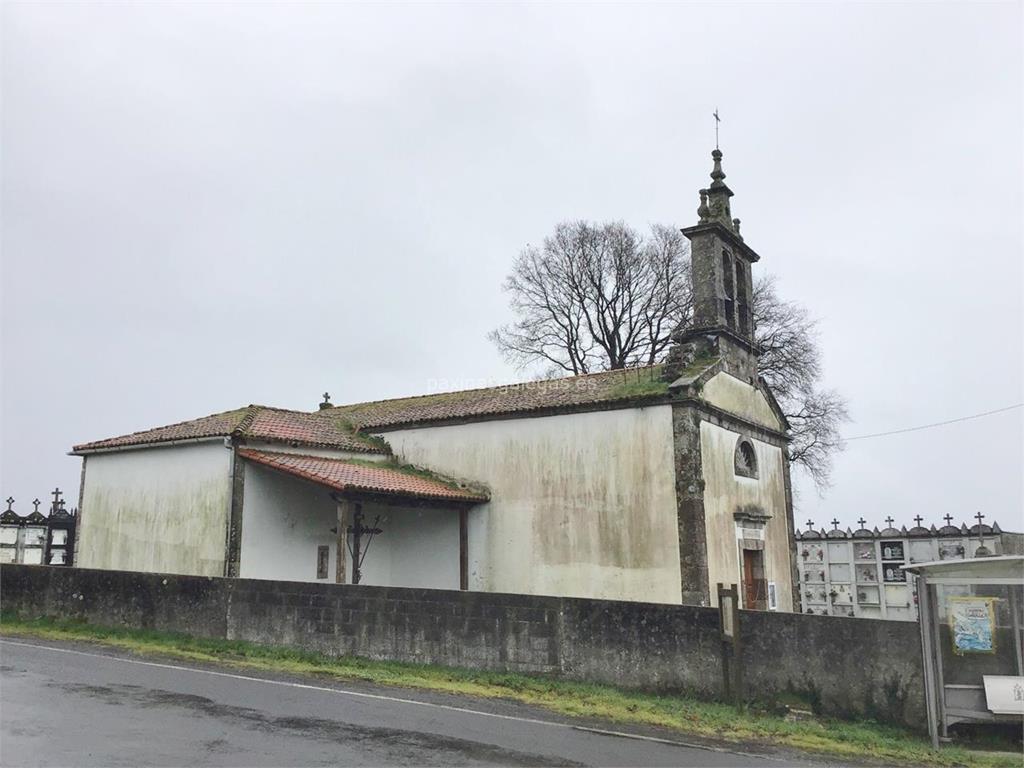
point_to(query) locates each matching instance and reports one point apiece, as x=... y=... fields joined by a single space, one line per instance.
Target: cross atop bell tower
x=722 y=283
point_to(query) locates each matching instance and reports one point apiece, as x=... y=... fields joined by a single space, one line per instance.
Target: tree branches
x=595 y=297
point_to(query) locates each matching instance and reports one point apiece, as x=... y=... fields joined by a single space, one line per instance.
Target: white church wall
x=160 y=509
x=284 y=521
x=725 y=493
x=303 y=450
x=737 y=397
x=581 y=504
x=419 y=547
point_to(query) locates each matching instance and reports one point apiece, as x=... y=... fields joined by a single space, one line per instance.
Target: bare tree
x=791 y=364
x=596 y=297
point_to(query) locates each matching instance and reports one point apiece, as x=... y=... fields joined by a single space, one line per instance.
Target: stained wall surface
x=726 y=492
x=581 y=504
x=740 y=398
x=157 y=509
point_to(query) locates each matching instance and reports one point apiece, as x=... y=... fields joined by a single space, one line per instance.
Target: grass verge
x=839 y=739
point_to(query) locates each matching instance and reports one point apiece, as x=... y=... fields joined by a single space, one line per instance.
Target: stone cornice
x=718 y=228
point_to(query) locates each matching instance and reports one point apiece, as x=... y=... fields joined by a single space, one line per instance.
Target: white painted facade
x=286 y=520
x=157 y=509
x=726 y=492
x=582 y=504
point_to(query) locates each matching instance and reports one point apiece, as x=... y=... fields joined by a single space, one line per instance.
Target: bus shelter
x=970 y=619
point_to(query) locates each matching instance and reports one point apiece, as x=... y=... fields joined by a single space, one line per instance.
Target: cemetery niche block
x=862 y=573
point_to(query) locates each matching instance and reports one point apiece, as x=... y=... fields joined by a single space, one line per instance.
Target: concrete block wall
x=845 y=667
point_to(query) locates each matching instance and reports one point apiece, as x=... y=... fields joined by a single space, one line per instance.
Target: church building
x=650 y=484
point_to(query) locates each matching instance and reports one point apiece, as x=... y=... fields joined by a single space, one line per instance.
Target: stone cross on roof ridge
x=10 y=503
x=835 y=523
x=889 y=521
x=949 y=519
x=862 y=522
x=918 y=520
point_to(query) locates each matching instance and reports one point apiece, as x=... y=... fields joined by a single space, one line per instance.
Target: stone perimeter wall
x=844 y=667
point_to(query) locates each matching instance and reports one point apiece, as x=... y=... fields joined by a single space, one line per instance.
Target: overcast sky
x=210 y=205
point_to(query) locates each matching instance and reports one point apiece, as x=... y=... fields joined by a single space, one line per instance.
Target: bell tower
x=722 y=324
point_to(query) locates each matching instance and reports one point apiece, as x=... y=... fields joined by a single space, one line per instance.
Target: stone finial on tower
x=719 y=194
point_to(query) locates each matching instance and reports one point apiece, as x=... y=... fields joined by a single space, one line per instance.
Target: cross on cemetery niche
x=810 y=525
x=948 y=519
x=889 y=521
x=862 y=522
x=835 y=523
x=10 y=504
x=36 y=504
x=918 y=520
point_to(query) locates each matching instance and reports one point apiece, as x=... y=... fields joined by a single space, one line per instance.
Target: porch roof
x=363 y=477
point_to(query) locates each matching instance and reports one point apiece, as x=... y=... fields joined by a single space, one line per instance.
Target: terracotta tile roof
x=573 y=392
x=344 y=475
x=256 y=422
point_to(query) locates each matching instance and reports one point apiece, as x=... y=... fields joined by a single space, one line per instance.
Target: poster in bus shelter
x=972 y=623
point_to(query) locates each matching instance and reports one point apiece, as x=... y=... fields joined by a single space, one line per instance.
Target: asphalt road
x=74 y=704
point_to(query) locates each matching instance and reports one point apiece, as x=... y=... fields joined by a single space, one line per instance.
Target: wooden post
x=342 y=546
x=732 y=660
x=464 y=549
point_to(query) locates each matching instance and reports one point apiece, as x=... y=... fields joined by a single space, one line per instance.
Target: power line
x=936 y=424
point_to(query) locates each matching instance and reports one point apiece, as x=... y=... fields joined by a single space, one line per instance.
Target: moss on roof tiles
x=569 y=393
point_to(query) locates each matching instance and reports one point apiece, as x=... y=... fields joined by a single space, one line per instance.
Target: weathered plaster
x=581 y=504
x=726 y=493
x=740 y=398
x=284 y=520
x=160 y=509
